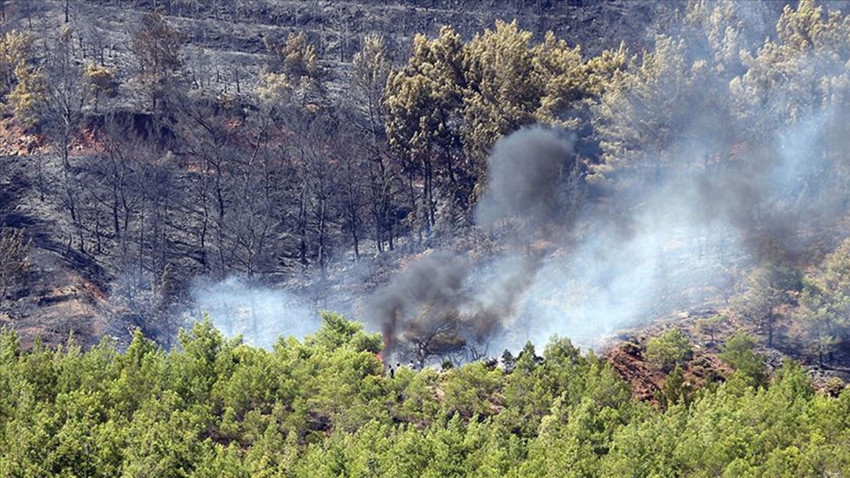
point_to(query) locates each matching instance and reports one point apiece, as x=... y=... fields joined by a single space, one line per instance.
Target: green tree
x=769 y=288
x=503 y=88
x=469 y=390
x=802 y=68
x=101 y=82
x=337 y=332
x=296 y=74
x=712 y=325
x=669 y=349
x=423 y=102
x=640 y=109
x=571 y=85
x=739 y=352
x=825 y=304
x=28 y=95
x=15 y=49
x=676 y=389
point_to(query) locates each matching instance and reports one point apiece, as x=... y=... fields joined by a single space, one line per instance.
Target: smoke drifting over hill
x=664 y=244
x=668 y=243
x=702 y=176
x=259 y=314
x=440 y=303
x=525 y=179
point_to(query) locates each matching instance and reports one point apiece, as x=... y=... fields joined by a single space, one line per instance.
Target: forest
x=230 y=248
x=326 y=406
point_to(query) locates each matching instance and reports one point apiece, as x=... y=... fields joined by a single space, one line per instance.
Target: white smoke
x=260 y=314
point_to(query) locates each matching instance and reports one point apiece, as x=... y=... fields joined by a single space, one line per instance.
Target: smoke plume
x=445 y=303
x=717 y=187
x=525 y=178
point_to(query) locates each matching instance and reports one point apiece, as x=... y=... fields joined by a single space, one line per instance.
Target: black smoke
x=444 y=303
x=525 y=179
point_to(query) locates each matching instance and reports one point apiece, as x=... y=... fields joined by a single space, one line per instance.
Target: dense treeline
x=326 y=406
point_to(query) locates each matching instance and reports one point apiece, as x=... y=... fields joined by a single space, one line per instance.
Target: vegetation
x=328 y=407
x=158 y=168
x=160 y=172
x=739 y=352
x=669 y=349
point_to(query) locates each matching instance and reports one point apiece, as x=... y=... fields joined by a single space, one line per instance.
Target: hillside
x=227 y=41
x=458 y=176
x=425 y=238
x=69 y=291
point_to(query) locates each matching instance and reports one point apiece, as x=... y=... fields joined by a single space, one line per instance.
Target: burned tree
x=156 y=46
x=14 y=265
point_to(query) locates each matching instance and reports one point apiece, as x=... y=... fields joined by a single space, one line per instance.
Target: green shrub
x=739 y=352
x=669 y=349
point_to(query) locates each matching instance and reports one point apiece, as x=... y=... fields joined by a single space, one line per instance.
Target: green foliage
x=325 y=407
x=770 y=287
x=15 y=48
x=28 y=94
x=825 y=304
x=101 y=81
x=711 y=325
x=297 y=74
x=676 y=389
x=638 y=110
x=504 y=89
x=337 y=332
x=21 y=86
x=739 y=352
x=156 y=46
x=669 y=349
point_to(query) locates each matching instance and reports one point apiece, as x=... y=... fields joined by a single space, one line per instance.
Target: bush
x=739 y=352
x=669 y=349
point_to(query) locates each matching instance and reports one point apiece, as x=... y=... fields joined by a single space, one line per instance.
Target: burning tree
x=434 y=333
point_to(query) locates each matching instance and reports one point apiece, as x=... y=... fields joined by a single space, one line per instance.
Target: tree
x=825 y=304
x=669 y=349
x=298 y=63
x=101 y=82
x=798 y=71
x=641 y=109
x=504 y=88
x=676 y=389
x=769 y=288
x=15 y=49
x=14 y=263
x=66 y=93
x=711 y=325
x=423 y=102
x=739 y=352
x=353 y=181
x=156 y=46
x=27 y=96
x=211 y=141
x=370 y=70
x=569 y=85
x=337 y=332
